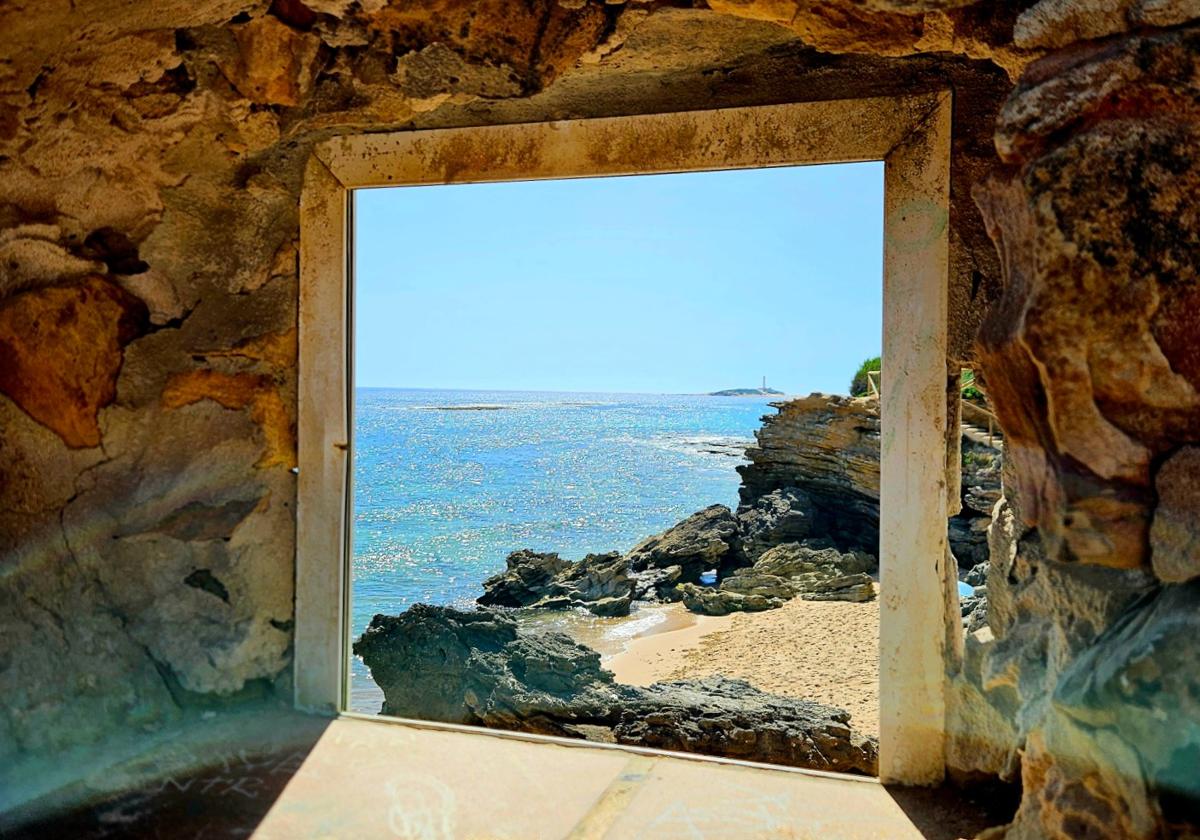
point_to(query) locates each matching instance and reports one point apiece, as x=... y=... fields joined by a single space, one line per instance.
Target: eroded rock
x=599 y=582
x=782 y=573
x=781 y=516
x=698 y=544
x=731 y=718
x=827 y=447
x=1175 y=531
x=481 y=668
x=62 y=348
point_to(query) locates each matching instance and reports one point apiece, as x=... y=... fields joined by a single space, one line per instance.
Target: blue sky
x=658 y=283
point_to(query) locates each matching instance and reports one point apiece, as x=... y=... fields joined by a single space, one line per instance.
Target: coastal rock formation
x=698 y=544
x=778 y=517
x=707 y=600
x=782 y=573
x=526 y=578
x=481 y=668
x=439 y=663
x=599 y=583
x=828 y=448
x=815 y=471
x=731 y=718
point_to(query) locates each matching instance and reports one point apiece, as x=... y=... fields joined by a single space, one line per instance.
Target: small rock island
x=747 y=392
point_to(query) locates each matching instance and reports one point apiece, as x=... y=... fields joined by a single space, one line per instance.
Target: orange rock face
x=61 y=348
x=237 y=391
x=275 y=62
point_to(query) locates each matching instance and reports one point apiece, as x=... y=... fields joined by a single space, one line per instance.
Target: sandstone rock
x=438 y=663
x=967 y=533
x=62 y=349
x=782 y=573
x=1058 y=23
x=856 y=587
x=781 y=516
x=596 y=577
x=828 y=448
x=707 y=600
x=698 y=544
x=750 y=581
x=977 y=575
x=1175 y=531
x=442 y=664
x=800 y=561
x=657 y=584
x=1122 y=387
x=275 y=63
x=974 y=610
x=1118 y=754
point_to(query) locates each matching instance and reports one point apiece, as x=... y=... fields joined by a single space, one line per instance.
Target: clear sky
x=656 y=283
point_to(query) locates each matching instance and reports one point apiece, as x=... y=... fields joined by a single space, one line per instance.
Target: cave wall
x=1084 y=685
x=150 y=164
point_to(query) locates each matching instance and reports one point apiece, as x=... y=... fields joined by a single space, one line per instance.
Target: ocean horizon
x=448 y=482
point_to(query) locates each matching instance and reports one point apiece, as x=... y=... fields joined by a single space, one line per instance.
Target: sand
x=826 y=651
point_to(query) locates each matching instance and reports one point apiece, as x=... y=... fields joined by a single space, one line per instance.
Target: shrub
x=858 y=385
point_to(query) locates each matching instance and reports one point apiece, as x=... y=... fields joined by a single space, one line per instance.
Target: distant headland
x=747 y=392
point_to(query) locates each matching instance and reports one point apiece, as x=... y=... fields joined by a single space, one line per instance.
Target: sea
x=448 y=483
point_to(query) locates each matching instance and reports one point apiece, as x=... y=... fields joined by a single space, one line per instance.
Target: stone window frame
x=910 y=134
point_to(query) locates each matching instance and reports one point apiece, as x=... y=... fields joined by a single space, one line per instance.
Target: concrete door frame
x=911 y=134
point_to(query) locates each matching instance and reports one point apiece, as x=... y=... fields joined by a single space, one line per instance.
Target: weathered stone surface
x=797 y=560
x=240 y=390
x=856 y=588
x=1116 y=754
x=1097 y=82
x=62 y=348
x=1119 y=392
x=828 y=448
x=1175 y=531
x=527 y=578
x=275 y=63
x=707 y=600
x=657 y=584
x=1058 y=23
x=720 y=716
x=783 y=572
x=443 y=664
x=438 y=663
x=600 y=583
x=698 y=544
x=778 y=517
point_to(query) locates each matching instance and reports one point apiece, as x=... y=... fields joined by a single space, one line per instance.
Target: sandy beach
x=819 y=650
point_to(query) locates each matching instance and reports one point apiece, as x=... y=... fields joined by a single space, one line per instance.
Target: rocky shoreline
x=806 y=527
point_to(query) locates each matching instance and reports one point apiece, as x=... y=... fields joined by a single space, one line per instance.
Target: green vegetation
x=858 y=385
x=969 y=391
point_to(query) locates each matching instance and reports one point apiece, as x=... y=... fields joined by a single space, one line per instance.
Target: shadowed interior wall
x=150 y=169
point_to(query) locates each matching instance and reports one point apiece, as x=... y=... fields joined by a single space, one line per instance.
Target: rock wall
x=1084 y=685
x=828 y=446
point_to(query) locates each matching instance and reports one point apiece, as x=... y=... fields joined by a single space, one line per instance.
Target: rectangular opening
x=911 y=136
x=568 y=374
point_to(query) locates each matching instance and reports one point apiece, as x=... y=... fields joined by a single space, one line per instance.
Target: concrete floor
x=283 y=775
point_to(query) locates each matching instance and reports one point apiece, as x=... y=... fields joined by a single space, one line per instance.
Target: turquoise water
x=442 y=496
